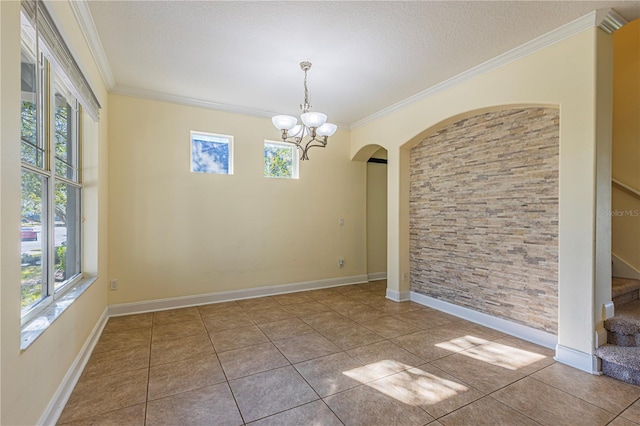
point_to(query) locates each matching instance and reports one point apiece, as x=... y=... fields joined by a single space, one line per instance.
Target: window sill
x=35 y=327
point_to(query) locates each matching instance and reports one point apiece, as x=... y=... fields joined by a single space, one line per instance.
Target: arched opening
x=482 y=219
x=376 y=158
x=377 y=215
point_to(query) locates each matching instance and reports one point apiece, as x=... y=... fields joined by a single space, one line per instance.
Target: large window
x=51 y=180
x=280 y=160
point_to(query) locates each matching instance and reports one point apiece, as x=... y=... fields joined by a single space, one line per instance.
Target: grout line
x=576 y=396
x=224 y=373
x=507 y=405
x=309 y=384
x=146 y=403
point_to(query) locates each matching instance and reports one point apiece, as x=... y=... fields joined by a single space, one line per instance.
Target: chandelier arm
x=295 y=141
x=322 y=141
x=320 y=144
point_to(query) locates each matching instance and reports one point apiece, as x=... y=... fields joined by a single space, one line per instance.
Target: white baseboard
x=376 y=276
x=577 y=359
x=530 y=334
x=622 y=269
x=60 y=398
x=226 y=296
x=398 y=296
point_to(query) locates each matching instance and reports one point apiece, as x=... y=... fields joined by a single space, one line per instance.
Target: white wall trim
x=184 y=100
x=376 y=276
x=609 y=310
x=622 y=269
x=530 y=334
x=601 y=337
x=545 y=40
x=56 y=405
x=199 y=103
x=226 y=296
x=398 y=296
x=88 y=27
x=576 y=359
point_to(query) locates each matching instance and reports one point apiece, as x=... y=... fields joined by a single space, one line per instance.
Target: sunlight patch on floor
x=363 y=374
x=491 y=352
x=503 y=356
x=412 y=386
x=461 y=343
x=379 y=369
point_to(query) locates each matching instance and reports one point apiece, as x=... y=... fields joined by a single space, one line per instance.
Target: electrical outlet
x=404 y=276
x=113 y=284
x=340 y=221
x=340 y=262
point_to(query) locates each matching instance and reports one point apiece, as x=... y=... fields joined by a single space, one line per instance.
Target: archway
x=376 y=218
x=483 y=215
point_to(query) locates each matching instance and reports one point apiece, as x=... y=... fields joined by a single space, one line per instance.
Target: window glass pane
x=67 y=233
x=211 y=153
x=31 y=146
x=33 y=235
x=65 y=137
x=280 y=161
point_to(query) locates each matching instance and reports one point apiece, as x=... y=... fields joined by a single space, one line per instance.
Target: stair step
x=623 y=329
x=619 y=362
x=624 y=290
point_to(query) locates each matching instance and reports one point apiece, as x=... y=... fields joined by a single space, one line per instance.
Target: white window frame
x=295 y=159
x=51 y=79
x=228 y=139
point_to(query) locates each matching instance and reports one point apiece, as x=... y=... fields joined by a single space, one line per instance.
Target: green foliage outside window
x=278 y=161
x=34 y=188
x=31 y=183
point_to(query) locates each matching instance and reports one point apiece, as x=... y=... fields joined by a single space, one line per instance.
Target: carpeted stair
x=621 y=355
x=621 y=362
x=624 y=290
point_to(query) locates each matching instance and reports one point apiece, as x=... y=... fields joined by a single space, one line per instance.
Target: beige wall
x=377 y=215
x=31 y=377
x=176 y=233
x=564 y=75
x=626 y=144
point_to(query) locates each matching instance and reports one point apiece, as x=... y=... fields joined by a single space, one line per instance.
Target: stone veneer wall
x=484 y=215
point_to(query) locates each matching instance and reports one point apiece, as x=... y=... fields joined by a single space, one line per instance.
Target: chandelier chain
x=306 y=107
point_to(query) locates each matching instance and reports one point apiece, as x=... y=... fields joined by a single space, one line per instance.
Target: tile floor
x=337 y=356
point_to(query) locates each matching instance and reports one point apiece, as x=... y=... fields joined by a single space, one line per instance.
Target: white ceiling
x=366 y=55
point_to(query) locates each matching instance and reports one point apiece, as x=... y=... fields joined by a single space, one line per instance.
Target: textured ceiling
x=366 y=55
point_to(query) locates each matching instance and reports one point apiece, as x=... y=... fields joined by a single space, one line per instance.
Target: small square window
x=211 y=153
x=280 y=160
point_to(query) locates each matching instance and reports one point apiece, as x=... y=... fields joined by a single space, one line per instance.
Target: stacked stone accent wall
x=484 y=215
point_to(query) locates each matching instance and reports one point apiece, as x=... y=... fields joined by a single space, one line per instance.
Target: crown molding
x=545 y=40
x=200 y=103
x=88 y=27
x=184 y=100
x=609 y=21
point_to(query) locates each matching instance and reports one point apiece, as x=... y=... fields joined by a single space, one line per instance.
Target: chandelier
x=314 y=125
